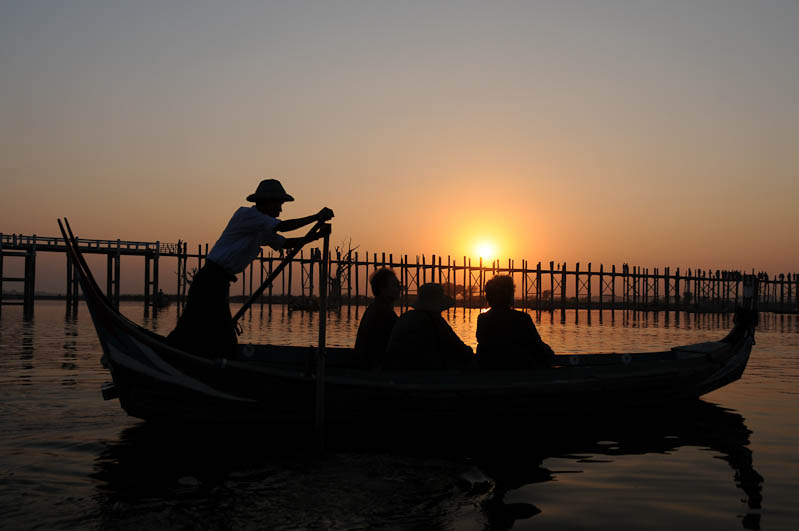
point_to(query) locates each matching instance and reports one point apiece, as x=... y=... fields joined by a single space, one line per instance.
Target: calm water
x=68 y=459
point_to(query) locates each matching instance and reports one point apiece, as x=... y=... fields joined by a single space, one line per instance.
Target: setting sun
x=486 y=250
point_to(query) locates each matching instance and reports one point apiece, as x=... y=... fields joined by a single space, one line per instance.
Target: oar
x=317 y=230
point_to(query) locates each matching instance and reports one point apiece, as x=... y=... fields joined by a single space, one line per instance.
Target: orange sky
x=658 y=136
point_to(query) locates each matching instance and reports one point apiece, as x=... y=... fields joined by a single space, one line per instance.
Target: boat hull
x=168 y=384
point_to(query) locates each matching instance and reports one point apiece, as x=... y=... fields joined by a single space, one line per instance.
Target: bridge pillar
x=147 y=298
x=29 y=283
x=1 y=273
x=113 y=266
x=28 y=279
x=155 y=273
x=109 y=278
x=69 y=284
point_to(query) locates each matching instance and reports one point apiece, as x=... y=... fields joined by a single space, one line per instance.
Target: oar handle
x=316 y=231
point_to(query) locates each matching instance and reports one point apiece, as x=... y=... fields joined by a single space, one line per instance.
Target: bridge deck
x=56 y=244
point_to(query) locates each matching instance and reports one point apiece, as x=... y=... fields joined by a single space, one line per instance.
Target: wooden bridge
x=543 y=287
x=18 y=246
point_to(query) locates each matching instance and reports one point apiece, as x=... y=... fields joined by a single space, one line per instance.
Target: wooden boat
x=276 y=383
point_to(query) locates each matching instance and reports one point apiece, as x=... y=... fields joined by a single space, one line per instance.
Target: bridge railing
x=43 y=242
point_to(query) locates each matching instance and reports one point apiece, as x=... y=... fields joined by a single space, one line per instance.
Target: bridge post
x=481 y=281
x=69 y=284
x=155 y=273
x=109 y=278
x=357 y=281
x=613 y=287
x=310 y=272
x=349 y=278
x=251 y=276
x=117 y=268
x=30 y=283
x=75 y=290
x=147 y=300
x=269 y=301
x=261 y=270
x=1 y=273
x=538 y=286
x=601 y=286
x=290 y=267
x=180 y=276
x=627 y=283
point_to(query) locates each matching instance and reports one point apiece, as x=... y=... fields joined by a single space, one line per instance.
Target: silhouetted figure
x=378 y=320
x=507 y=338
x=206 y=326
x=422 y=339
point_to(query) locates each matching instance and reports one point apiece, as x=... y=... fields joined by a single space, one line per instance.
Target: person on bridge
x=206 y=326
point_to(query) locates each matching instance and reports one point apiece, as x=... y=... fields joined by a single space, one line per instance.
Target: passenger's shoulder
x=487 y=315
x=408 y=317
x=522 y=316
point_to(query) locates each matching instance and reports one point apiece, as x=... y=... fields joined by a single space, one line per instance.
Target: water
x=68 y=459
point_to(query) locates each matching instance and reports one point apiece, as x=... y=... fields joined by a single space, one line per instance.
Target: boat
x=282 y=383
x=161 y=300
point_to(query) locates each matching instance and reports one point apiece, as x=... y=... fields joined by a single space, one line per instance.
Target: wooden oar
x=320 y=352
x=317 y=230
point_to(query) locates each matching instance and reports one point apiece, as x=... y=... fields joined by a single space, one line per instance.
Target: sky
x=643 y=132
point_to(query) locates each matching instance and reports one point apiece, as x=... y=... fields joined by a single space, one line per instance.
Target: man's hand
x=324 y=214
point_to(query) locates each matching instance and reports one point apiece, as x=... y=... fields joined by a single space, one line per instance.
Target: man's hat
x=431 y=297
x=269 y=189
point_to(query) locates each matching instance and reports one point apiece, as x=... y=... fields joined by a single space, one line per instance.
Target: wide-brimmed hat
x=269 y=189
x=431 y=297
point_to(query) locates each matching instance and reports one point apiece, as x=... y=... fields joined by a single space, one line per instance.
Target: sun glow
x=486 y=250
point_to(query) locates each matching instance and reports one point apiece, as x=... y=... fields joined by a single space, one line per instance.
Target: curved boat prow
x=746 y=315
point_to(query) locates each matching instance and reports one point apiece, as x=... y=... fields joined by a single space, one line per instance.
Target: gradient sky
x=654 y=133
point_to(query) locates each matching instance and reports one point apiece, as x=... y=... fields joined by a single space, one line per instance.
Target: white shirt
x=242 y=239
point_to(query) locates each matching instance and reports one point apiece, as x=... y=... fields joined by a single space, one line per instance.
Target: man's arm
x=294 y=224
x=291 y=243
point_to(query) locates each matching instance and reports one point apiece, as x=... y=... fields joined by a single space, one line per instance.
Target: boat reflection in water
x=431 y=476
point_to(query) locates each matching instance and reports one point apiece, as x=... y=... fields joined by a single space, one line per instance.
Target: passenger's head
x=499 y=291
x=432 y=298
x=385 y=284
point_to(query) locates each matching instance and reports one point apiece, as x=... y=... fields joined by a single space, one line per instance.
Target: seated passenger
x=423 y=340
x=378 y=320
x=507 y=338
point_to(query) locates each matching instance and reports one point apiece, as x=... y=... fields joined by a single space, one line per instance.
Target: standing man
x=206 y=326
